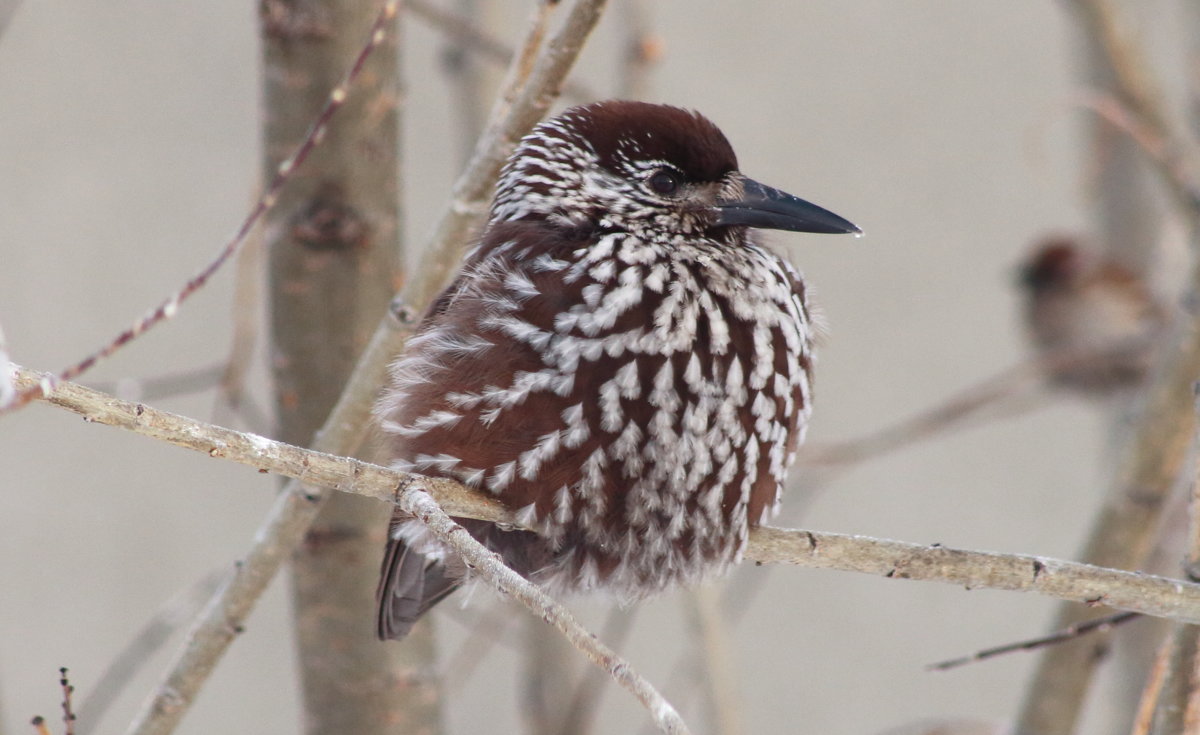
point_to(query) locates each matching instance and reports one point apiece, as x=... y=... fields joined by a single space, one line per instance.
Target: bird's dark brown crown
x=620 y=129
x=619 y=165
x=1056 y=261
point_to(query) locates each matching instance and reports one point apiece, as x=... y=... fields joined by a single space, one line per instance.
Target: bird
x=619 y=362
x=1096 y=321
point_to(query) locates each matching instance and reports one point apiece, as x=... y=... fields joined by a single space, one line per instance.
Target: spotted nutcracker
x=619 y=361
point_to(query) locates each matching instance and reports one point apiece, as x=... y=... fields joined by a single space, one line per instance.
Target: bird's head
x=1057 y=262
x=654 y=171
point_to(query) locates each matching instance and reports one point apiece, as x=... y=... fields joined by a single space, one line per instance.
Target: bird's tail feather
x=409 y=585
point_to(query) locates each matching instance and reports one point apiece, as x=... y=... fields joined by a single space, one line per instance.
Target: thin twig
x=588 y=692
x=167 y=385
x=170 y=306
x=487 y=565
x=490 y=629
x=465 y=32
x=227 y=375
x=476 y=39
x=1144 y=716
x=1171 y=168
x=1095 y=625
x=1120 y=187
x=547 y=679
x=68 y=710
x=148 y=640
x=958 y=410
x=39 y=722
x=246 y=314
x=999 y=394
x=1135 y=86
x=1092 y=585
x=741 y=590
x=719 y=667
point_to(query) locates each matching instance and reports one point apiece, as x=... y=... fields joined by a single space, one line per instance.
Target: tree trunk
x=335 y=262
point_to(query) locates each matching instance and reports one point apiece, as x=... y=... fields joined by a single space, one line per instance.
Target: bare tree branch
x=1135 y=86
x=588 y=692
x=247 y=302
x=169 y=307
x=1004 y=394
x=462 y=30
x=491 y=628
x=1095 y=625
x=1174 y=711
x=1119 y=185
x=1123 y=533
x=228 y=375
x=1092 y=585
x=715 y=651
x=1177 y=691
x=1137 y=89
x=1144 y=716
x=475 y=39
x=151 y=637
x=547 y=677
x=487 y=564
x=158 y=387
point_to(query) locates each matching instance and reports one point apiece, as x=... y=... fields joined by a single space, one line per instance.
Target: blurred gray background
x=129 y=152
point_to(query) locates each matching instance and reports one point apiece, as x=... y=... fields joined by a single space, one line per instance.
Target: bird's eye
x=664 y=182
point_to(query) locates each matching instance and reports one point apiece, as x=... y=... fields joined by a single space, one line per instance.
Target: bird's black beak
x=763 y=207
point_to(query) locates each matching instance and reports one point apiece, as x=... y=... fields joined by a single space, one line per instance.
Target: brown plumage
x=1095 y=320
x=618 y=361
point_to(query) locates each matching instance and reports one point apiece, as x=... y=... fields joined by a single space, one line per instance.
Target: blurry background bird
x=619 y=362
x=1095 y=321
